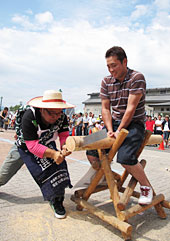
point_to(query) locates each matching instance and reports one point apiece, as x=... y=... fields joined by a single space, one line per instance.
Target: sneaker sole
x=145 y=203
x=60 y=216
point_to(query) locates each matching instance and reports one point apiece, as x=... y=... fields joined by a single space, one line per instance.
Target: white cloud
x=140 y=10
x=70 y=55
x=43 y=18
x=41 y=21
x=162 y=4
x=23 y=20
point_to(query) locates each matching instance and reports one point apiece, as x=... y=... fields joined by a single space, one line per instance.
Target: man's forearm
x=127 y=118
x=107 y=118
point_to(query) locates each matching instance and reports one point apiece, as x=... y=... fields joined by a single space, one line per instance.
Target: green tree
x=14 y=108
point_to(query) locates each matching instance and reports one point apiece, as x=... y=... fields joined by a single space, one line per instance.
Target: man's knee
x=93 y=157
x=129 y=168
x=94 y=161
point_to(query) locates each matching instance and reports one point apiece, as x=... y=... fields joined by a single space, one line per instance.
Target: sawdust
x=41 y=225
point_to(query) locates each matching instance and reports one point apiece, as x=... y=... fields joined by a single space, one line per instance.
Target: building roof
x=161 y=104
x=158 y=98
x=154 y=96
x=158 y=89
x=92 y=101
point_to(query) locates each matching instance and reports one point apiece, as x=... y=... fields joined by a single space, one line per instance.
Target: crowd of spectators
x=79 y=124
x=82 y=124
x=159 y=126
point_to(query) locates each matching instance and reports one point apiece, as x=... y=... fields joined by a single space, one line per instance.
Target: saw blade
x=97 y=136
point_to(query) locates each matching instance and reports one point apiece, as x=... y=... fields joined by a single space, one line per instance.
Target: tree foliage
x=14 y=108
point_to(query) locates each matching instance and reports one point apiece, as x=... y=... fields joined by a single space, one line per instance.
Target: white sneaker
x=146 y=195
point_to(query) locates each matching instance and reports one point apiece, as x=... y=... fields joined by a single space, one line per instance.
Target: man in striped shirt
x=123 y=106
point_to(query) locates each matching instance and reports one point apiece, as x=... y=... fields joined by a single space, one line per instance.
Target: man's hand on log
x=110 y=134
x=113 y=134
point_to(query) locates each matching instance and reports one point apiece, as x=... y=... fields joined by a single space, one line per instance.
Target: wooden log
x=154 y=139
x=146 y=139
x=76 y=143
x=165 y=204
x=160 y=211
x=118 y=142
x=107 y=217
x=140 y=208
x=79 y=193
x=124 y=199
x=134 y=194
x=112 y=184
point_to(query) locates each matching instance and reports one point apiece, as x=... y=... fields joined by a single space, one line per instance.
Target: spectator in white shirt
x=85 y=124
x=158 y=125
x=166 y=130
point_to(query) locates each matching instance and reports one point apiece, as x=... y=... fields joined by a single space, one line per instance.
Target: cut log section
x=76 y=143
x=154 y=139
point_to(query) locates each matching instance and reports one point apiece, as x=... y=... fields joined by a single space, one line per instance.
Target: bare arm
x=57 y=156
x=1 y=115
x=133 y=101
x=106 y=115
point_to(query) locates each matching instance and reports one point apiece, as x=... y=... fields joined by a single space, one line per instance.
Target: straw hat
x=50 y=99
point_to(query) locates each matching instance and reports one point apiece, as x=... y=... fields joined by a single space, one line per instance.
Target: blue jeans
x=79 y=131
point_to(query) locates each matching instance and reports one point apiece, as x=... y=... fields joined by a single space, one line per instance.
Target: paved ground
x=24 y=216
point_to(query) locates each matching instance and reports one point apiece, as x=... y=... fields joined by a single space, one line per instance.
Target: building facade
x=157 y=102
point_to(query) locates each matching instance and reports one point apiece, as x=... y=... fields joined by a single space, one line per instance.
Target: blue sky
x=47 y=44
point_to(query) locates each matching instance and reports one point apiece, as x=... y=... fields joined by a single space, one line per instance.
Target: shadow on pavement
x=20 y=200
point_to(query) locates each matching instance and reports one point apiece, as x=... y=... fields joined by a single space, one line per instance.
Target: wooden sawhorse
x=115 y=185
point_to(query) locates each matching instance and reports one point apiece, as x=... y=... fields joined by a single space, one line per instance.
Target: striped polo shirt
x=118 y=93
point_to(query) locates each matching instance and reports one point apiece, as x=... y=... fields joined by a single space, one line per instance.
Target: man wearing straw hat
x=41 y=124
